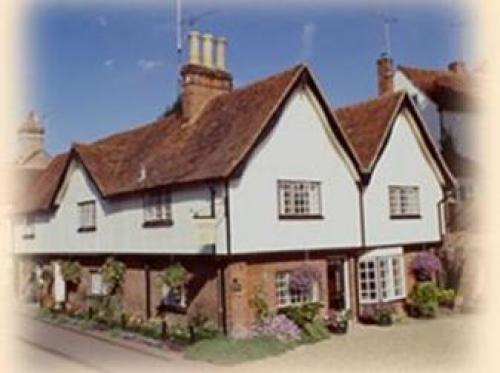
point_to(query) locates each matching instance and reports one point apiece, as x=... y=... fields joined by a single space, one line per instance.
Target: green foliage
x=113 y=274
x=446 y=296
x=174 y=276
x=108 y=309
x=71 y=271
x=259 y=303
x=227 y=351
x=303 y=314
x=314 y=332
x=424 y=298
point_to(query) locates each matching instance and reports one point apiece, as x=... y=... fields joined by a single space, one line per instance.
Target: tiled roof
x=171 y=151
x=365 y=124
x=368 y=124
x=450 y=90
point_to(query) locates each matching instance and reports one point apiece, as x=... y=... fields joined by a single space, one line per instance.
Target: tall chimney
x=201 y=80
x=458 y=67
x=31 y=139
x=385 y=74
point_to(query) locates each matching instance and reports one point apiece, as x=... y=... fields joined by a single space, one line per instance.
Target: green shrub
x=314 y=332
x=262 y=309
x=113 y=274
x=71 y=271
x=424 y=298
x=174 y=276
x=303 y=314
x=446 y=296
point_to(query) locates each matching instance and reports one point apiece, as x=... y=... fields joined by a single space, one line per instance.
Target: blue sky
x=98 y=69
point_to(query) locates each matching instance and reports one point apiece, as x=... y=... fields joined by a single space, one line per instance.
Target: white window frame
x=404 y=201
x=299 y=199
x=87 y=216
x=157 y=208
x=97 y=285
x=183 y=298
x=389 y=280
x=285 y=297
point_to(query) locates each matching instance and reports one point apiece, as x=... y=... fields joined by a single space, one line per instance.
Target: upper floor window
x=157 y=209
x=28 y=227
x=86 y=216
x=299 y=199
x=381 y=278
x=404 y=202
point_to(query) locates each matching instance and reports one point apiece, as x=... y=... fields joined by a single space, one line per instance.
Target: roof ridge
x=375 y=99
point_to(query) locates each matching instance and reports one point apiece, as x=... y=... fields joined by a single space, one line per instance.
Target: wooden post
x=148 y=290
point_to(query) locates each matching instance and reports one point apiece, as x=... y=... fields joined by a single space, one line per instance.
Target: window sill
x=157 y=223
x=402 y=217
x=172 y=308
x=86 y=229
x=301 y=217
x=28 y=236
x=383 y=301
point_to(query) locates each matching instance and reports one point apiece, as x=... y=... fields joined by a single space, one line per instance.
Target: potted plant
x=338 y=321
x=383 y=315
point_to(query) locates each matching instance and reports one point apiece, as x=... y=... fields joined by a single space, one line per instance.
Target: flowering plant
x=303 y=278
x=377 y=313
x=280 y=327
x=425 y=265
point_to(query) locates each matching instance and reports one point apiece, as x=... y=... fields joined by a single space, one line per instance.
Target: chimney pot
x=220 y=53
x=208 y=50
x=194 y=47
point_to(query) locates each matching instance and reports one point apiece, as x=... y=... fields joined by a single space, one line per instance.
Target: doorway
x=338 y=283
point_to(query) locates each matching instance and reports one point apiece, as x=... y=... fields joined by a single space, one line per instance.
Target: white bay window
x=381 y=276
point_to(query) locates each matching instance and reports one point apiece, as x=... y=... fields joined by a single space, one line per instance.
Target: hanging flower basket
x=303 y=278
x=424 y=266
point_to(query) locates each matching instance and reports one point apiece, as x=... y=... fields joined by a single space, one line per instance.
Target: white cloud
x=149 y=64
x=102 y=21
x=109 y=63
x=308 y=34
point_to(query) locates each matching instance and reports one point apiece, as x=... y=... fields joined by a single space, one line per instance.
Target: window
x=87 y=216
x=97 y=286
x=28 y=227
x=157 y=209
x=381 y=278
x=288 y=297
x=299 y=199
x=404 y=202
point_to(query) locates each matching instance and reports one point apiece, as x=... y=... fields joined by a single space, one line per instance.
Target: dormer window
x=404 y=202
x=28 y=228
x=157 y=209
x=86 y=216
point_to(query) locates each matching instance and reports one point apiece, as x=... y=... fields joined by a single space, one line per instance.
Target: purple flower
x=303 y=278
x=424 y=265
x=280 y=327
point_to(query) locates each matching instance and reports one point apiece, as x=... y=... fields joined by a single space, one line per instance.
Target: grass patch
x=227 y=351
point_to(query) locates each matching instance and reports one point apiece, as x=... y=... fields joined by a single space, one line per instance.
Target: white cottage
x=242 y=186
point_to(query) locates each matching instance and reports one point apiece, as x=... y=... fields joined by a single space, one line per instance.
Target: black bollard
x=163 y=330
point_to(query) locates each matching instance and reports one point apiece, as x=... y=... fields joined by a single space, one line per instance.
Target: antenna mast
x=178 y=12
x=388 y=22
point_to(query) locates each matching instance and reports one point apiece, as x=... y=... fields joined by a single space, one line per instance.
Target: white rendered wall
x=298 y=148
x=402 y=163
x=119 y=223
x=428 y=109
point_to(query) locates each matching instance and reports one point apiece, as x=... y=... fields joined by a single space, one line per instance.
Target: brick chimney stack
x=458 y=67
x=385 y=74
x=202 y=79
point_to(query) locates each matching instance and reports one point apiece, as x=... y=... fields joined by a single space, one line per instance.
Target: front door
x=336 y=284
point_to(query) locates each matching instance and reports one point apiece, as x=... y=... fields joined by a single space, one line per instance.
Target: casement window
x=157 y=209
x=97 y=285
x=28 y=227
x=86 y=216
x=299 y=199
x=381 y=278
x=288 y=297
x=404 y=202
x=174 y=300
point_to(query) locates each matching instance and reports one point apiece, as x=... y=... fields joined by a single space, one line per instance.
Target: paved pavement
x=429 y=346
